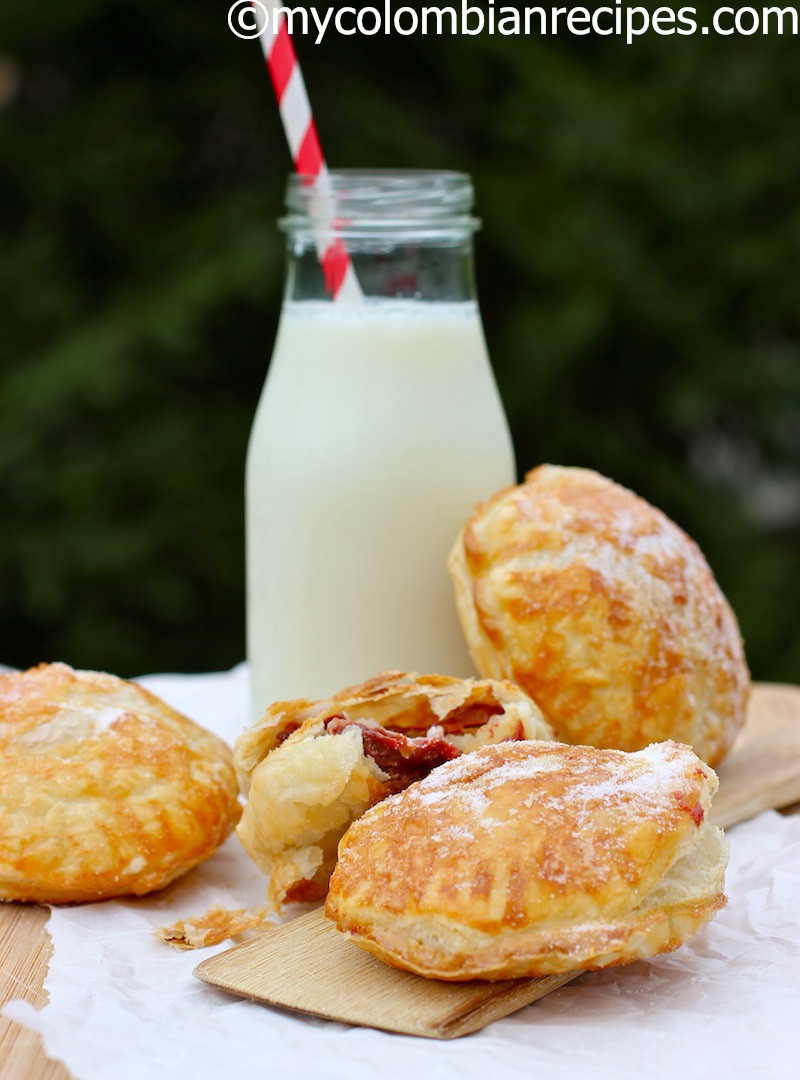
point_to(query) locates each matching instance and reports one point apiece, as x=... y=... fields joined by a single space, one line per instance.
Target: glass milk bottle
x=378 y=430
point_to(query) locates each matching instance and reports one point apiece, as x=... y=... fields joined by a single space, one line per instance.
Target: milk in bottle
x=379 y=429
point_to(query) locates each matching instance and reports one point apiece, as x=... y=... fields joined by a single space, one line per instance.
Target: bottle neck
x=408 y=234
x=389 y=269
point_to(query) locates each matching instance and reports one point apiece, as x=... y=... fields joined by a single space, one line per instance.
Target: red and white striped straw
x=301 y=134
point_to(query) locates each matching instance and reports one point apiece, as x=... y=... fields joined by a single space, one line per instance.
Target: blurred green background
x=638 y=275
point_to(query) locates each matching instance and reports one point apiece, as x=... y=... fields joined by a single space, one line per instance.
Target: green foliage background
x=638 y=275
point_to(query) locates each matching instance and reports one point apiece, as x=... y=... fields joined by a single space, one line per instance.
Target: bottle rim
x=366 y=202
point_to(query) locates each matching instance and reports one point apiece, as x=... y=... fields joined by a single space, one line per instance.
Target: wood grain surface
x=762 y=771
x=25 y=952
x=308 y=966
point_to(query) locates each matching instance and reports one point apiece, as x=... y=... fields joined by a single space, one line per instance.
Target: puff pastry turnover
x=309 y=768
x=104 y=790
x=534 y=858
x=604 y=611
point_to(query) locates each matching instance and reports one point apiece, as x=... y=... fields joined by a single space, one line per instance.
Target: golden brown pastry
x=104 y=790
x=534 y=858
x=604 y=611
x=311 y=767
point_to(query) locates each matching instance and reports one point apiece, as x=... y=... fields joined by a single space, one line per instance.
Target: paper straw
x=301 y=134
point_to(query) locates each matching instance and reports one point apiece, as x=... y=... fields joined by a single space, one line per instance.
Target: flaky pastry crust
x=534 y=858
x=104 y=789
x=309 y=768
x=604 y=611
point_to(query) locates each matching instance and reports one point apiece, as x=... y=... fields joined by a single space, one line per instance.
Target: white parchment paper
x=125 y=1006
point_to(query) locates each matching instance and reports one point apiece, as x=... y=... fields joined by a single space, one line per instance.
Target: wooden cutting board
x=308 y=966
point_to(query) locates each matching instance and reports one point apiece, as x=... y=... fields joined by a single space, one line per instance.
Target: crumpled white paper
x=123 y=1005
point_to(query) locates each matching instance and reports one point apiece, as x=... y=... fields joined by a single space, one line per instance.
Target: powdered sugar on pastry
x=531 y=858
x=573 y=784
x=70 y=724
x=604 y=611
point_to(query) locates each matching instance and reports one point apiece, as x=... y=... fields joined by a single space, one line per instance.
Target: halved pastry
x=309 y=768
x=534 y=858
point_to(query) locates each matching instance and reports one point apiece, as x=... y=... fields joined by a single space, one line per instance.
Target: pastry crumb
x=218 y=923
